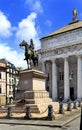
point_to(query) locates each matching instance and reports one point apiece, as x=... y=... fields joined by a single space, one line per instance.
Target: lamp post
x=14 y=91
x=81 y=119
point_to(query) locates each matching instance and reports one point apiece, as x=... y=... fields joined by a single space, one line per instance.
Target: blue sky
x=25 y=19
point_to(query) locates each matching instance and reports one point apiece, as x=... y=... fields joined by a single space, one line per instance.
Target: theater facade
x=60 y=57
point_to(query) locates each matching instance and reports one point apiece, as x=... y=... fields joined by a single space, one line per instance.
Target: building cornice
x=60 y=46
x=70 y=27
x=51 y=58
x=62 y=52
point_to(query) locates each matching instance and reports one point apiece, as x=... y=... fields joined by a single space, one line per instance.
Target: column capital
x=43 y=61
x=53 y=60
x=79 y=56
x=65 y=57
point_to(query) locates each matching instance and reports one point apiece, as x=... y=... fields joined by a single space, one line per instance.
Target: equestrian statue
x=31 y=55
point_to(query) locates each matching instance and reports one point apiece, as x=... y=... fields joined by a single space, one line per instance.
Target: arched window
x=0 y=88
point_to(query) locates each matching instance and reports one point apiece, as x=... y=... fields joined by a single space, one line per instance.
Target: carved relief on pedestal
x=43 y=94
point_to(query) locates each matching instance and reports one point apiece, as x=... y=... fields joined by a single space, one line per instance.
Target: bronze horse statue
x=30 y=54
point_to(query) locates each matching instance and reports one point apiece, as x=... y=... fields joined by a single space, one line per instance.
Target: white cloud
x=11 y=55
x=5 y=26
x=27 y=29
x=35 y=5
x=48 y=23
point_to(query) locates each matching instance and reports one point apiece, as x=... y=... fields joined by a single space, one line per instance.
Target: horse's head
x=23 y=43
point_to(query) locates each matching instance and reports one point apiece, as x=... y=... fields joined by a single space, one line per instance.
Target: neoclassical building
x=61 y=58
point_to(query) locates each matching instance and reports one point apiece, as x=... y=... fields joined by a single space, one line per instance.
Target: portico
x=66 y=77
x=61 y=59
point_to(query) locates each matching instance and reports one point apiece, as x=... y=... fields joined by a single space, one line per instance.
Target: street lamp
x=14 y=91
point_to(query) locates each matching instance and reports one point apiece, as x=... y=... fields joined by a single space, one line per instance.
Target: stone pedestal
x=32 y=90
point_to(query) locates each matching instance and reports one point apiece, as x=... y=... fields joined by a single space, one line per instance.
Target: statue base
x=32 y=90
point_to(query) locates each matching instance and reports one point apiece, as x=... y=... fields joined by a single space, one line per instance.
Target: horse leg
x=37 y=62
x=27 y=62
x=34 y=63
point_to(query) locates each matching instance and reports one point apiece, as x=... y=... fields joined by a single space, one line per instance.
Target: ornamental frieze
x=63 y=50
x=61 y=39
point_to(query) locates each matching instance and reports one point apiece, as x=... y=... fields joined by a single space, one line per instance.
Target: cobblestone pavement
x=74 y=125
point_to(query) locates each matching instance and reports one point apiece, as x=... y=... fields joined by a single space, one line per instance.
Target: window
x=10 y=81
x=9 y=75
x=0 y=88
x=9 y=87
x=13 y=81
x=48 y=77
x=61 y=74
x=0 y=75
x=10 y=92
x=9 y=70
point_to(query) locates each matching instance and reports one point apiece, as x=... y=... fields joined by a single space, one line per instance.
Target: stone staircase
x=37 y=105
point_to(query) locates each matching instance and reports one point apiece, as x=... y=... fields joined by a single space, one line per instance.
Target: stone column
x=54 y=80
x=79 y=77
x=66 y=78
x=43 y=66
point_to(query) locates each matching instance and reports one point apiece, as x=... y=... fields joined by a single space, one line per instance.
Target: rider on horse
x=31 y=47
x=30 y=54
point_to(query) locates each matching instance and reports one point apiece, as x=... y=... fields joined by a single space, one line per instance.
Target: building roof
x=7 y=63
x=71 y=26
x=3 y=60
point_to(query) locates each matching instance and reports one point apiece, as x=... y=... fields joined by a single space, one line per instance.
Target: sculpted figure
x=31 y=47
x=30 y=54
x=75 y=14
